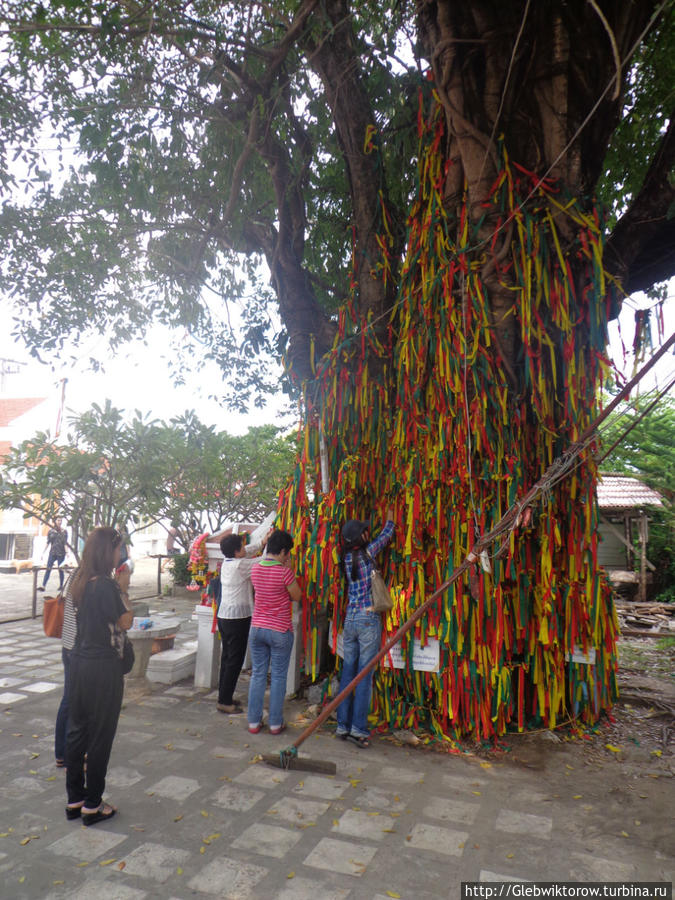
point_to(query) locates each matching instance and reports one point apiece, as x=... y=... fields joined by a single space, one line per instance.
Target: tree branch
x=641 y=249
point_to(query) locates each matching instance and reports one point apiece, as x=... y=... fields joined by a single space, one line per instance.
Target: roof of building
x=12 y=408
x=624 y=492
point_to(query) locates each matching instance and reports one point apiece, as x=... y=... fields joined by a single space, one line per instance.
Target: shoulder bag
x=382 y=601
x=52 y=616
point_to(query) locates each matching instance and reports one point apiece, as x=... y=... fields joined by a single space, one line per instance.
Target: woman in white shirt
x=234 y=614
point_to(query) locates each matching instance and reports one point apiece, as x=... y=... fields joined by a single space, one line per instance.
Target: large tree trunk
x=498 y=354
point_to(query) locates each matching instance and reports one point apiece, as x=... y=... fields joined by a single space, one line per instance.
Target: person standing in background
x=57 y=538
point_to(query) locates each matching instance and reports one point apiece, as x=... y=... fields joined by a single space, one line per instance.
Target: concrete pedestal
x=142 y=640
x=207 y=665
x=293 y=676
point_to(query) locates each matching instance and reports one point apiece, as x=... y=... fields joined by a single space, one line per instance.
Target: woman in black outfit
x=96 y=680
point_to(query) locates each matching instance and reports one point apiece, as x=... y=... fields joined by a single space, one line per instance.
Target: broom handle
x=484 y=541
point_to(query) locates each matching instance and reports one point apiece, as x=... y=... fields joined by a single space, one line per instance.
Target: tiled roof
x=13 y=408
x=624 y=492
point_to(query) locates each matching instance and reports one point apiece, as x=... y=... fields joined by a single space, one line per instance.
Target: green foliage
x=111 y=472
x=162 y=207
x=179 y=568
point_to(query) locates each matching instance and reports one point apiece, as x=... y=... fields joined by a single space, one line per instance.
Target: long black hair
x=355 y=548
x=98 y=558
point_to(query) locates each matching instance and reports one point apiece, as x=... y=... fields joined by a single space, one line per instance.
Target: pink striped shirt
x=272 y=601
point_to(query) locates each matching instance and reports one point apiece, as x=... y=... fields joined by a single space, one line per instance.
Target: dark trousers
x=51 y=559
x=234 y=637
x=96 y=688
x=62 y=714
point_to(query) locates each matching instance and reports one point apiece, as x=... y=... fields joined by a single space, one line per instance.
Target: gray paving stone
x=267 y=840
x=86 y=844
x=397 y=775
x=439 y=840
x=155 y=861
x=236 y=798
x=20 y=787
x=447 y=809
x=375 y=798
x=174 y=787
x=513 y=822
x=122 y=777
x=221 y=752
x=105 y=890
x=344 y=857
x=261 y=776
x=9 y=697
x=585 y=867
x=326 y=788
x=369 y=826
x=229 y=879
x=138 y=737
x=298 y=812
x=306 y=889
x=11 y=682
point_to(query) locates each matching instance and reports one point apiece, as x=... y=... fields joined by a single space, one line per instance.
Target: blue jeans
x=51 y=559
x=268 y=648
x=361 y=636
x=62 y=714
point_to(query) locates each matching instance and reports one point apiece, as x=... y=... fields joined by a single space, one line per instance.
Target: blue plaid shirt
x=359 y=590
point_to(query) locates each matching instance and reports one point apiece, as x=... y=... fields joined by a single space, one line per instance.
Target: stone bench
x=171 y=666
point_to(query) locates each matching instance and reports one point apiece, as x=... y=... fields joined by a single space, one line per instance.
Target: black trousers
x=234 y=638
x=96 y=689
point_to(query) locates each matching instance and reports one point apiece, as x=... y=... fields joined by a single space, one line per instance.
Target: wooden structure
x=624 y=503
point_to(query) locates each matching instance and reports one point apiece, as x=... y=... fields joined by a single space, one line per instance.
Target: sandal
x=60 y=763
x=278 y=729
x=102 y=813
x=362 y=742
x=74 y=811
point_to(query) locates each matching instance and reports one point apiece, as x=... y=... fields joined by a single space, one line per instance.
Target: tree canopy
x=131 y=474
x=157 y=155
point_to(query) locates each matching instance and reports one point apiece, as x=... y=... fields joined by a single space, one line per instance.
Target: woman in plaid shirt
x=363 y=626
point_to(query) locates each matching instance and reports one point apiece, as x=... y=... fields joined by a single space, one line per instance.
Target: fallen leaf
x=393 y=894
x=389 y=831
x=577 y=797
x=477 y=793
x=178 y=818
x=121 y=865
x=638 y=822
x=373 y=813
x=202 y=849
x=82 y=865
x=58 y=882
x=211 y=837
x=108 y=862
x=22 y=879
x=204 y=813
x=27 y=840
x=32 y=772
x=624 y=834
x=509 y=855
x=486 y=765
x=291 y=875
x=656 y=752
x=179 y=871
x=51 y=778
x=613 y=748
x=34 y=755
x=335 y=822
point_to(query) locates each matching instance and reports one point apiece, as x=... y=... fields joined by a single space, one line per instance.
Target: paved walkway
x=200 y=816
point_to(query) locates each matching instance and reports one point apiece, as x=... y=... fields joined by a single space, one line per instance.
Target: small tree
x=130 y=475
x=109 y=472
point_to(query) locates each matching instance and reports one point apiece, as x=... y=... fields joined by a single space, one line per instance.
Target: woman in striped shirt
x=271 y=637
